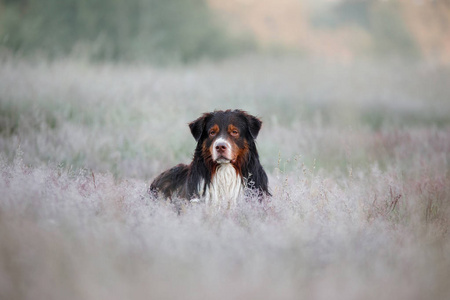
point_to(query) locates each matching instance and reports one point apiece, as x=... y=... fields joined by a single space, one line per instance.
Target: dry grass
x=358 y=159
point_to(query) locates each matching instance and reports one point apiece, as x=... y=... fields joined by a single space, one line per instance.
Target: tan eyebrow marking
x=214 y=129
x=232 y=128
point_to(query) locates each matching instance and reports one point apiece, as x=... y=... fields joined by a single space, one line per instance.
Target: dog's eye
x=212 y=132
x=234 y=132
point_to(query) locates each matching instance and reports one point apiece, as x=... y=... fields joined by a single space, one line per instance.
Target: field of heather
x=357 y=153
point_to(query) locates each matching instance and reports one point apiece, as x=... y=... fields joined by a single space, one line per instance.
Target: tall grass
x=357 y=155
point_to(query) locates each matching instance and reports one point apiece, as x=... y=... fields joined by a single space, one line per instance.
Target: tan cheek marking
x=211 y=149
x=204 y=148
x=241 y=152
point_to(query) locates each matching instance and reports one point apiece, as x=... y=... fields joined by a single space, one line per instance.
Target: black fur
x=183 y=180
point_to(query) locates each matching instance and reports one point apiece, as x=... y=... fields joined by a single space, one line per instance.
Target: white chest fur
x=225 y=188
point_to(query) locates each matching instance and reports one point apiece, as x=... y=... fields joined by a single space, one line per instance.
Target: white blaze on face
x=225 y=155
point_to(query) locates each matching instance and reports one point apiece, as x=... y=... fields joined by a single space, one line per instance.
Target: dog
x=225 y=166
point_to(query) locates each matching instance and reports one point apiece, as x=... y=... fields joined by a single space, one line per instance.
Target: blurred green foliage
x=133 y=30
x=382 y=20
x=390 y=32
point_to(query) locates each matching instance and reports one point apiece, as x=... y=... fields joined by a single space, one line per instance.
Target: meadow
x=357 y=153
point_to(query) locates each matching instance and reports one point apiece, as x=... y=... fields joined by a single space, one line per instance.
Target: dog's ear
x=198 y=126
x=254 y=125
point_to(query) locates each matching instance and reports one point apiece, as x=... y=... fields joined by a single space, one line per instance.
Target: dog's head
x=225 y=136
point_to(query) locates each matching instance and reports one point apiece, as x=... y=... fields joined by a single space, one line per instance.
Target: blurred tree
x=391 y=35
x=157 y=30
x=381 y=19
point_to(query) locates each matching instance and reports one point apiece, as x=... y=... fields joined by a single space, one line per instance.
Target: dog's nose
x=221 y=147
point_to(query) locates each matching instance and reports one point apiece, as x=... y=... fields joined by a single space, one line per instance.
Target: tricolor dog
x=225 y=164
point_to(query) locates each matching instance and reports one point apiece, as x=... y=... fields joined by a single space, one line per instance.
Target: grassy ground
x=358 y=157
